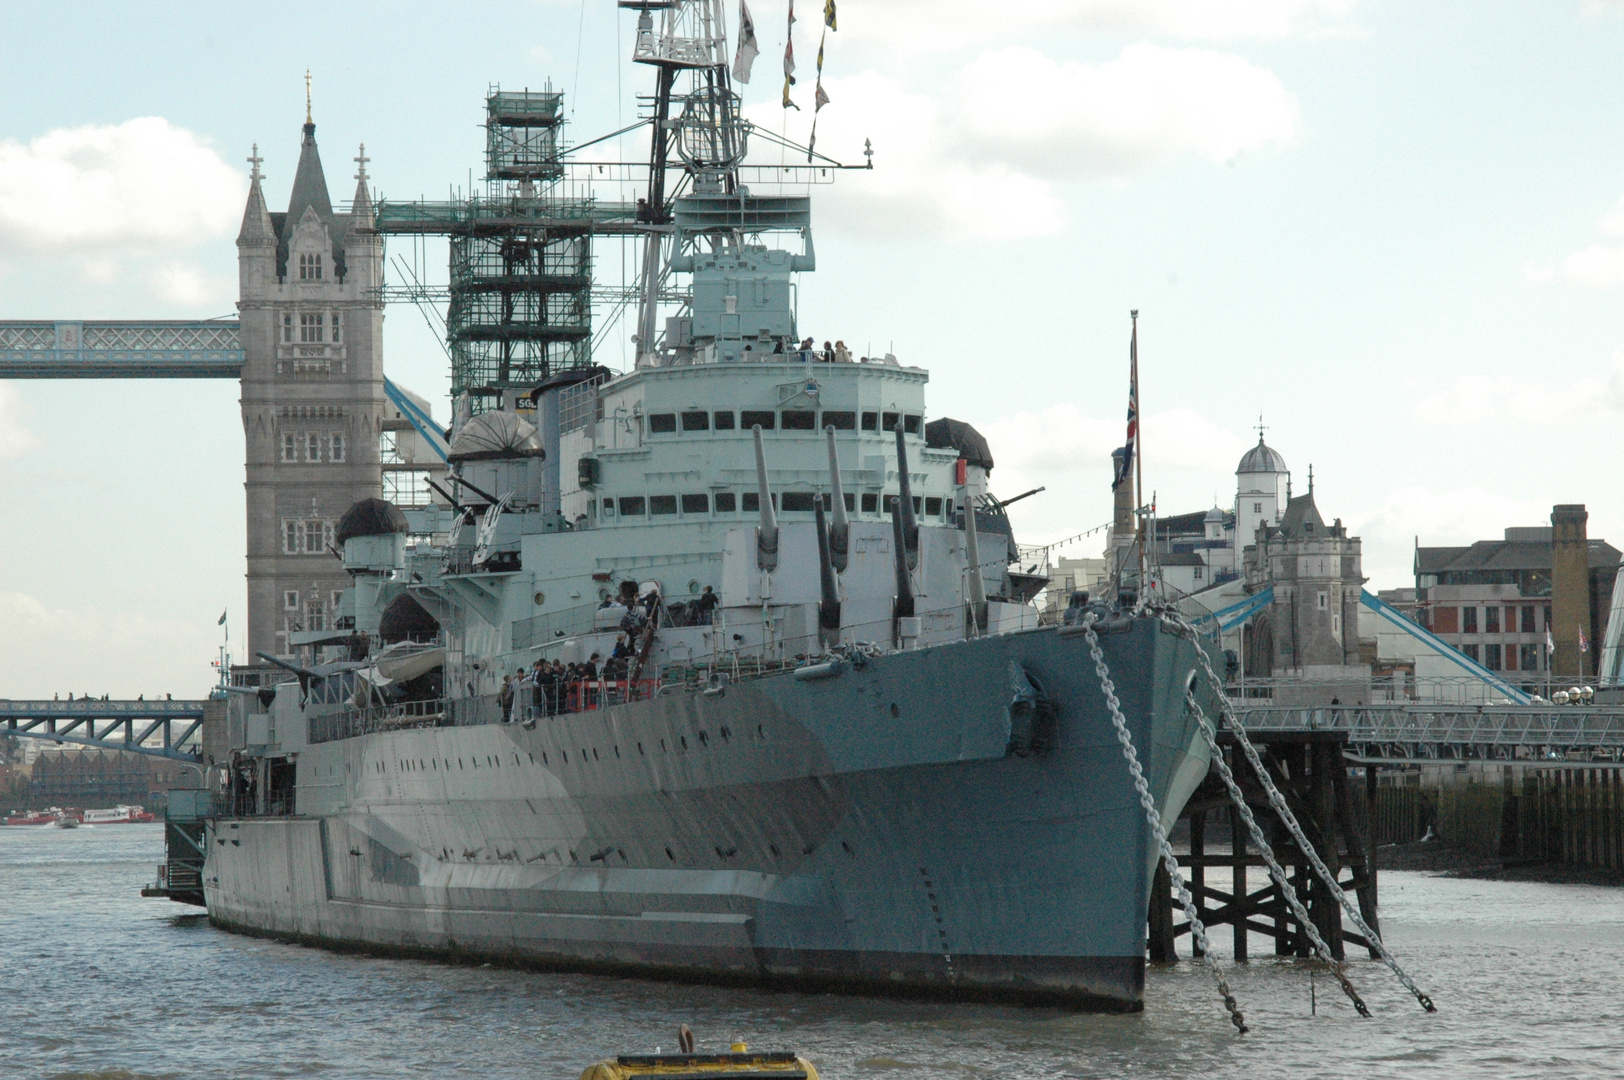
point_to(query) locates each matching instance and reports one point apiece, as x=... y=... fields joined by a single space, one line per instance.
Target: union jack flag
x=1125 y=466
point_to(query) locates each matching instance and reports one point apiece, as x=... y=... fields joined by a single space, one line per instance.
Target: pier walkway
x=1380 y=734
x=167 y=729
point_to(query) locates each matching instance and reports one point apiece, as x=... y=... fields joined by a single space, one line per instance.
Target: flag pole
x=1139 y=450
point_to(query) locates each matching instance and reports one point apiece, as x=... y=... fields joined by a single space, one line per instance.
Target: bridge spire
x=256 y=216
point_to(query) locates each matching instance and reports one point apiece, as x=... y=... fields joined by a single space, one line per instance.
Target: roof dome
x=370 y=517
x=1262 y=459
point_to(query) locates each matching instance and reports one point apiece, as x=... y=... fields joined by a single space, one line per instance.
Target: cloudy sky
x=1393 y=230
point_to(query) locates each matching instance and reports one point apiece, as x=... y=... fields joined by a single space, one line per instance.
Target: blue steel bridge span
x=166 y=729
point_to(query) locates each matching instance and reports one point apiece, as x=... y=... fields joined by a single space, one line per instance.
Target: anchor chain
x=1169 y=859
x=1182 y=627
x=1276 y=871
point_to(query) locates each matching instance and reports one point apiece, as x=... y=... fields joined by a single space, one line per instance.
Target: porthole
x=693 y=588
x=541 y=598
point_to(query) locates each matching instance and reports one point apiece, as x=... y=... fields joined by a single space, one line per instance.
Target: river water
x=96 y=982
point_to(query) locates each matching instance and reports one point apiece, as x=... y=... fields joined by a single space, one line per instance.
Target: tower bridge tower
x=313 y=398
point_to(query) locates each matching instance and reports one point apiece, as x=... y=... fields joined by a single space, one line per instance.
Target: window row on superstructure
x=707 y=504
x=699 y=422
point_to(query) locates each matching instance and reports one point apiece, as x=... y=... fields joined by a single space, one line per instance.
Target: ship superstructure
x=717 y=668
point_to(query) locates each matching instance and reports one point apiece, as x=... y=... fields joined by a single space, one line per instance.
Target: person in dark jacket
x=706 y=606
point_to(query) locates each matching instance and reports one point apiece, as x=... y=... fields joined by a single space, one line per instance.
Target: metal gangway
x=166 y=729
x=1544 y=734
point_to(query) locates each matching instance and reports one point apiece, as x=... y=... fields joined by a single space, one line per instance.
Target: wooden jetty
x=1311 y=773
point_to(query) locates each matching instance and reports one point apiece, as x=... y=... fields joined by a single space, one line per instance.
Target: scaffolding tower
x=520 y=292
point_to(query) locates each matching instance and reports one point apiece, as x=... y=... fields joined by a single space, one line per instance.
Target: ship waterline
x=790 y=832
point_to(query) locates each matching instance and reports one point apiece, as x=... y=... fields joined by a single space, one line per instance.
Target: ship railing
x=566 y=622
x=348 y=723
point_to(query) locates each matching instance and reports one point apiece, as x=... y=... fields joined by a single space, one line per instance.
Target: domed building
x=1262 y=484
x=1197 y=551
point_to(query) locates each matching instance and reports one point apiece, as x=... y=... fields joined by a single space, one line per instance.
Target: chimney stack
x=1570 y=591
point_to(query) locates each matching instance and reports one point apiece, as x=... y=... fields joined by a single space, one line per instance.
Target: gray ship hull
x=869 y=831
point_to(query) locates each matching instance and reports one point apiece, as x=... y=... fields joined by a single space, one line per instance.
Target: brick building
x=95 y=778
x=1495 y=600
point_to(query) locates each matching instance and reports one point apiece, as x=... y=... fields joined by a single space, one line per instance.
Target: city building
x=1198 y=551
x=101 y=777
x=1307 y=638
x=1499 y=601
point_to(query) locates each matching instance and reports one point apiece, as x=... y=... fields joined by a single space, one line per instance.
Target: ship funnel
x=767 y=531
x=972 y=556
x=910 y=527
x=905 y=598
x=829 y=606
x=839 y=529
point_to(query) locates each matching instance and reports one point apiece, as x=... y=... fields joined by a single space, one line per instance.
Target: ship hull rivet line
x=1178 y=624
x=1169 y=859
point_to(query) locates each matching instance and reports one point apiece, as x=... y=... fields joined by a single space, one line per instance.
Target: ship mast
x=1139 y=447
x=708 y=135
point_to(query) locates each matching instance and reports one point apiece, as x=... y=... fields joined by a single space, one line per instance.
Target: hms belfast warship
x=863 y=766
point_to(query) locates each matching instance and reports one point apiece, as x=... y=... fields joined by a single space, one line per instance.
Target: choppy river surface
x=97 y=982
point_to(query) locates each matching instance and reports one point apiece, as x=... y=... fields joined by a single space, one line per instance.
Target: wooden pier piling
x=1309 y=770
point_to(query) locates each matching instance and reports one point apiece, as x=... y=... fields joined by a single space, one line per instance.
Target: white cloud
x=905 y=29
x=1475 y=400
x=1065 y=120
x=137 y=653
x=1061 y=438
x=1599 y=266
x=142 y=184
x=983 y=157
x=179 y=283
x=1191 y=461
x=1439 y=519
x=15 y=439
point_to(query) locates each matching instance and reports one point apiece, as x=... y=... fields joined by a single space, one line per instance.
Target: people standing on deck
x=842 y=354
x=705 y=606
x=538 y=690
x=505 y=697
x=807 y=348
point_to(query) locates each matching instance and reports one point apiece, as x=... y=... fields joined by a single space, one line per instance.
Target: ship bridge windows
x=799 y=420
x=726 y=502
x=933 y=507
x=631 y=505
x=662 y=423
x=871 y=421
x=765 y=419
x=871 y=502
x=840 y=421
x=696 y=504
x=750 y=502
x=662 y=504
x=801 y=501
x=696 y=421
x=724 y=421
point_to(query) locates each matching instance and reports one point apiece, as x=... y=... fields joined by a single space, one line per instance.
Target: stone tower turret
x=312 y=394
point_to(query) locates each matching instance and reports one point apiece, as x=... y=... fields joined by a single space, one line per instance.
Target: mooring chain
x=1276 y=871
x=1183 y=628
x=1169 y=859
